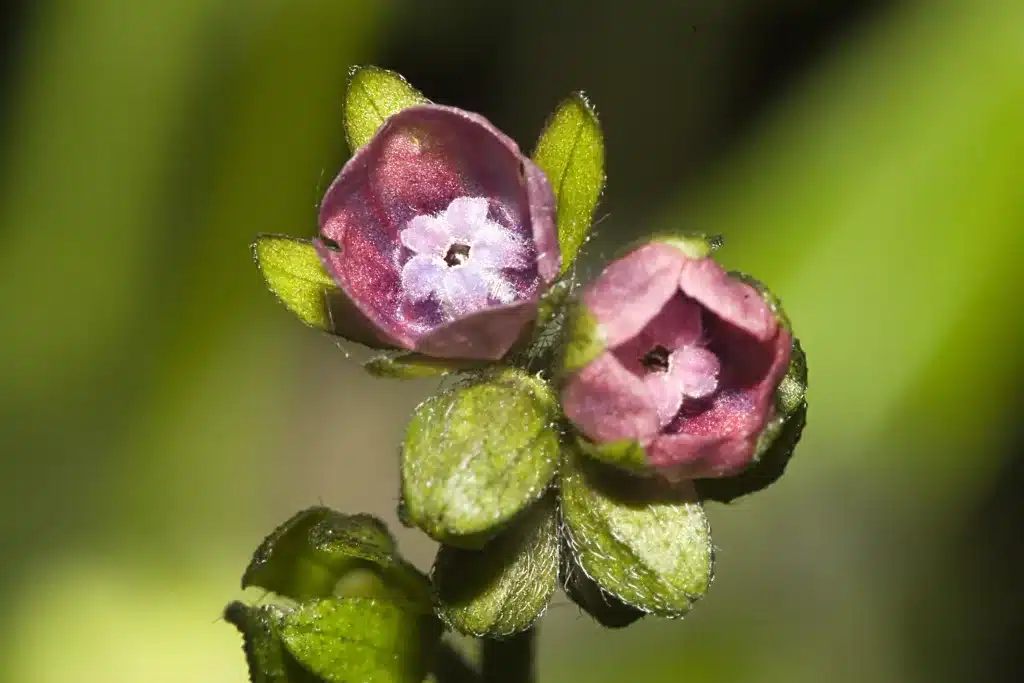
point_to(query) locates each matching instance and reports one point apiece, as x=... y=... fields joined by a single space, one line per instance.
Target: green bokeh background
x=159 y=412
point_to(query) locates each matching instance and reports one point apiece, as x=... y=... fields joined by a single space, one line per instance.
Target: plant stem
x=510 y=660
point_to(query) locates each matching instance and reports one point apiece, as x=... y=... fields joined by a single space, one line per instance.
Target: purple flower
x=445 y=234
x=688 y=363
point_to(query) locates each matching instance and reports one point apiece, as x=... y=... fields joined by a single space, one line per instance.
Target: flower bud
x=642 y=540
x=321 y=553
x=504 y=587
x=674 y=365
x=336 y=641
x=477 y=455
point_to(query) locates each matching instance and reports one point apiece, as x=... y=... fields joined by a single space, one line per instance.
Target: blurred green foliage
x=161 y=413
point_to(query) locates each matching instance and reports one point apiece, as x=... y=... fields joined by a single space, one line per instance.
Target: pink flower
x=685 y=365
x=445 y=235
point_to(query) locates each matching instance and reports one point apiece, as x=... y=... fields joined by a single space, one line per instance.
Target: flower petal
x=541 y=200
x=426 y=235
x=731 y=300
x=608 y=403
x=633 y=290
x=680 y=457
x=504 y=251
x=677 y=325
x=423 y=276
x=667 y=393
x=695 y=370
x=465 y=291
x=486 y=335
x=466 y=217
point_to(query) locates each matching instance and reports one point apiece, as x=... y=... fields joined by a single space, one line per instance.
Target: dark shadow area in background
x=771 y=45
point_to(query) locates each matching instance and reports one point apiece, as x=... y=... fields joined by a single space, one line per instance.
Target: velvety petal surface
x=631 y=291
x=609 y=403
x=731 y=300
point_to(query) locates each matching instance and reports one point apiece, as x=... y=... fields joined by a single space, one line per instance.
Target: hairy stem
x=511 y=660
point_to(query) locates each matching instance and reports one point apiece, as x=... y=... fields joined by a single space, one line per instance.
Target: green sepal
x=415 y=366
x=693 y=245
x=265 y=655
x=478 y=454
x=779 y=438
x=503 y=588
x=641 y=539
x=625 y=454
x=570 y=151
x=295 y=274
x=369 y=640
x=320 y=553
x=374 y=95
x=602 y=606
x=584 y=339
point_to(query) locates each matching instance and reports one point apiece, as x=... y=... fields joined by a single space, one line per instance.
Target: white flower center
x=459 y=256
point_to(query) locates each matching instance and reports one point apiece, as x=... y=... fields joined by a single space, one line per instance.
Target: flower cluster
x=584 y=426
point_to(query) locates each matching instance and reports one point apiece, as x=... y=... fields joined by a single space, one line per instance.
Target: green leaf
x=294 y=273
x=415 y=366
x=644 y=541
x=374 y=95
x=362 y=640
x=570 y=151
x=605 y=608
x=584 y=339
x=477 y=455
x=503 y=588
x=321 y=553
x=265 y=655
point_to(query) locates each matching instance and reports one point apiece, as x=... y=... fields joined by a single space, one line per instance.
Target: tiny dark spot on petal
x=330 y=244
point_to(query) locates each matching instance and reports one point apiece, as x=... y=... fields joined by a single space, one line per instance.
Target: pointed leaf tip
x=374 y=95
x=294 y=273
x=570 y=151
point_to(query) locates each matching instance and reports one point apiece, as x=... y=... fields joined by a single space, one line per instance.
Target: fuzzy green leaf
x=570 y=151
x=374 y=95
x=267 y=658
x=503 y=588
x=360 y=639
x=294 y=273
x=416 y=366
x=604 y=607
x=477 y=455
x=642 y=540
x=320 y=553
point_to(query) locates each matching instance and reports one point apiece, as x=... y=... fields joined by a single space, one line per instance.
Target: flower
x=444 y=232
x=684 y=366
